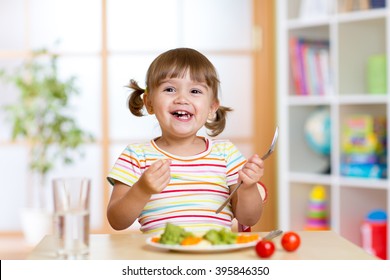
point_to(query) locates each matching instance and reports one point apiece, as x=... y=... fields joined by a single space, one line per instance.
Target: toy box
x=363 y=148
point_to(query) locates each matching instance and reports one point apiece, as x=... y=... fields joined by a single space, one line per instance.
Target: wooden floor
x=13 y=248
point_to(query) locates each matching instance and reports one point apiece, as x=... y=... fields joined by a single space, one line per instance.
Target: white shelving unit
x=353 y=37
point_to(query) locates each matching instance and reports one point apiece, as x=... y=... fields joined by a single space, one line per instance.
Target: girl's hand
x=156 y=177
x=252 y=171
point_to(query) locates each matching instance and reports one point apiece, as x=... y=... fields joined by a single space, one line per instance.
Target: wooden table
x=315 y=245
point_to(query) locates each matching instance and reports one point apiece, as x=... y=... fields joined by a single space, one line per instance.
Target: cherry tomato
x=265 y=248
x=290 y=241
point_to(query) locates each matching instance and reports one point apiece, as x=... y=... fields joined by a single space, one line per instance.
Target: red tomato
x=265 y=248
x=290 y=241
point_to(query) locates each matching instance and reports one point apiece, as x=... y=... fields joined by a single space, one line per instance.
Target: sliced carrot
x=245 y=238
x=155 y=239
x=191 y=240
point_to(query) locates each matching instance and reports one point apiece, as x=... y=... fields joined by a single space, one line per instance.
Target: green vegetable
x=173 y=234
x=220 y=237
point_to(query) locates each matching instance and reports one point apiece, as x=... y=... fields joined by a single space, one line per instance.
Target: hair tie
x=146 y=90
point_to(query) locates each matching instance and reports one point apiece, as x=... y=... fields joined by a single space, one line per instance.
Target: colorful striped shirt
x=199 y=185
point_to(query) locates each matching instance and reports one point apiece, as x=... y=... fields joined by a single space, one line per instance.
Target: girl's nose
x=181 y=98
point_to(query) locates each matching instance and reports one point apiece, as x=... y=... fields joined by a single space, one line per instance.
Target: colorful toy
x=358 y=135
x=363 y=149
x=317 y=131
x=374 y=233
x=317 y=215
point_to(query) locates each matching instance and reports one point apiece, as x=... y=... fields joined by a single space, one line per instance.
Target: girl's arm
x=126 y=203
x=247 y=203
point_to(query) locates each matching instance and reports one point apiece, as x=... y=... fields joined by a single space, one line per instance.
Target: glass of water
x=71 y=217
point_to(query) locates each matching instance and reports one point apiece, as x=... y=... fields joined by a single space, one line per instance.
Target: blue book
x=374 y=4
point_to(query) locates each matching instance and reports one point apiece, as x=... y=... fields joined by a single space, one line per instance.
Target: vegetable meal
x=175 y=235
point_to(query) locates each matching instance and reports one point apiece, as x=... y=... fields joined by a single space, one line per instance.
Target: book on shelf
x=375 y=4
x=358 y=5
x=310 y=66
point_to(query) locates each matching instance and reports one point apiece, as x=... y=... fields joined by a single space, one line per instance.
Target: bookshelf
x=353 y=35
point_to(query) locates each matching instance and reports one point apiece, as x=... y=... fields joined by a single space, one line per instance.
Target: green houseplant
x=42 y=117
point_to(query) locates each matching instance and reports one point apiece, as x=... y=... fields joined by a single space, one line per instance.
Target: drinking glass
x=71 y=217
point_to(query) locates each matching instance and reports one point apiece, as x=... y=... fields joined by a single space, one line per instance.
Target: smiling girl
x=181 y=177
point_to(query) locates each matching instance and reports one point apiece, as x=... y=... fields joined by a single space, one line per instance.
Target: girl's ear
x=148 y=104
x=213 y=109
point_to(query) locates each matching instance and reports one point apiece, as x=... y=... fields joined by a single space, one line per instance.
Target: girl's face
x=181 y=106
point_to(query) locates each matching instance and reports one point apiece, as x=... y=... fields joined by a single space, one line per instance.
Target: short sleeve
x=127 y=168
x=263 y=191
x=234 y=162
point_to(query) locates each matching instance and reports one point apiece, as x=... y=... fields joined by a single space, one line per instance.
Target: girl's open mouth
x=182 y=115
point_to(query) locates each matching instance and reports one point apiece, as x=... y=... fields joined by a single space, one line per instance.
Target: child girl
x=180 y=177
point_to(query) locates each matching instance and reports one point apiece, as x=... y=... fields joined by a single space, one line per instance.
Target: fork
x=264 y=157
x=272 y=234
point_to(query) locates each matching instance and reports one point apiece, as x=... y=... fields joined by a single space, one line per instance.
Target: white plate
x=202 y=248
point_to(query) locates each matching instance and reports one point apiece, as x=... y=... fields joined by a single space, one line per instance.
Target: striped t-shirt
x=199 y=185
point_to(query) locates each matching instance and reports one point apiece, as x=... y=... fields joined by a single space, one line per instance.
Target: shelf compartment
x=354 y=206
x=299 y=204
x=301 y=157
x=368 y=38
x=309 y=61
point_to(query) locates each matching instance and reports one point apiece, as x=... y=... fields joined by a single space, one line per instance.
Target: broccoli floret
x=173 y=234
x=220 y=237
x=228 y=237
x=213 y=236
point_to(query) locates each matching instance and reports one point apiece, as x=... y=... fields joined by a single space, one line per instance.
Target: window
x=105 y=44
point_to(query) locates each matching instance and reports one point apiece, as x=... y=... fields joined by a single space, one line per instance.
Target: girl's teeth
x=182 y=115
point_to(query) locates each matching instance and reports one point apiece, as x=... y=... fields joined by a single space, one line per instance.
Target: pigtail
x=135 y=101
x=217 y=125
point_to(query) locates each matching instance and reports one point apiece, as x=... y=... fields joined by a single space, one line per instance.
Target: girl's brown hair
x=173 y=64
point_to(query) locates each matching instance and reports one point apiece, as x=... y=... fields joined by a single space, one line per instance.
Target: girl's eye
x=196 y=91
x=169 y=89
